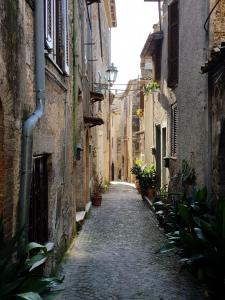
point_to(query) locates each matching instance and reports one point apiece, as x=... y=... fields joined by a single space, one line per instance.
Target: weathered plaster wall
x=191 y=92
x=101 y=52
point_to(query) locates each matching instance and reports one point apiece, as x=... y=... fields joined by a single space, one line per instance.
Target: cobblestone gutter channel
x=114 y=257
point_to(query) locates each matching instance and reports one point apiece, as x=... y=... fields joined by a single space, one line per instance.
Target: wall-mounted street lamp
x=111 y=74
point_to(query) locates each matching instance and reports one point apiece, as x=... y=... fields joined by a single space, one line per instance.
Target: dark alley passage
x=114 y=255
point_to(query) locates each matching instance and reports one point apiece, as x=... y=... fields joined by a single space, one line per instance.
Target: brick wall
x=217 y=23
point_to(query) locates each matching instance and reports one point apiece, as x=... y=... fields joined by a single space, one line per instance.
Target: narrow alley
x=114 y=255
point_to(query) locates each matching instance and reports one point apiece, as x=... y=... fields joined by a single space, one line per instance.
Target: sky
x=135 y=19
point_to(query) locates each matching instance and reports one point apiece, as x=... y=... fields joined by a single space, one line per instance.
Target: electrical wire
x=212 y=10
x=97 y=83
x=126 y=90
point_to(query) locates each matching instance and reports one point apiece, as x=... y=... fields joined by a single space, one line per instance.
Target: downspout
x=75 y=72
x=31 y=122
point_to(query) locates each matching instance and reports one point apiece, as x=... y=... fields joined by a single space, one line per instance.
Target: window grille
x=173 y=43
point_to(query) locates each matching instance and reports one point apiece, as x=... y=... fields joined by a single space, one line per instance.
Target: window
x=173 y=43
x=57 y=32
x=174 y=129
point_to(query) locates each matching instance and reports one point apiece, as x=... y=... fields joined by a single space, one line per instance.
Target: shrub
x=23 y=278
x=146 y=176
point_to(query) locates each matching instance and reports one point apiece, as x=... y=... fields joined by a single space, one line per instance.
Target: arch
x=112 y=171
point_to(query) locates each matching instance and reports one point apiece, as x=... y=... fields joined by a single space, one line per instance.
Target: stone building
x=36 y=116
x=130 y=138
x=116 y=140
x=46 y=115
x=155 y=114
x=214 y=67
x=104 y=18
x=183 y=89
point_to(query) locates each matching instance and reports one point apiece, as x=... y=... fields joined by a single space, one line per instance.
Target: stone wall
x=12 y=84
x=217 y=24
x=53 y=134
x=53 y=137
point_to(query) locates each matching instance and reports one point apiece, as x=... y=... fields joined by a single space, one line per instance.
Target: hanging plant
x=152 y=86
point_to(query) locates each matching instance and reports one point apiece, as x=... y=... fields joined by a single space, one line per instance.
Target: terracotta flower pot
x=96 y=199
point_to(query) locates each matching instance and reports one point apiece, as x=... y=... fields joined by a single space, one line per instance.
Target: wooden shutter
x=49 y=24
x=174 y=124
x=65 y=37
x=173 y=43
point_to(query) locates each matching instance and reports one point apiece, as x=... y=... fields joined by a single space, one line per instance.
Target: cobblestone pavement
x=113 y=258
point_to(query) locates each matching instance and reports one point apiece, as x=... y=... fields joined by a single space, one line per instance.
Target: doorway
x=158 y=154
x=163 y=155
x=38 y=216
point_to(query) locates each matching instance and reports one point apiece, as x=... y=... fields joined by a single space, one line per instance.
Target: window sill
x=47 y=55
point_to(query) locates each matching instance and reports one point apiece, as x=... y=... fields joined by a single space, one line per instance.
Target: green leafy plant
x=23 y=278
x=139 y=162
x=200 y=239
x=140 y=112
x=152 y=86
x=105 y=186
x=136 y=170
x=187 y=174
x=146 y=175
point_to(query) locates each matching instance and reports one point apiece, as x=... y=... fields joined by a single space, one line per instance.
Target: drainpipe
x=31 y=122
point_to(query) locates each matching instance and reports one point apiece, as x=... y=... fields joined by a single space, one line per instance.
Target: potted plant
x=145 y=179
x=96 y=197
x=136 y=170
x=148 y=181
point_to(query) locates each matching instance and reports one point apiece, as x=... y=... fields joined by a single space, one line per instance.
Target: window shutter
x=65 y=38
x=173 y=43
x=49 y=24
x=59 y=33
x=174 y=124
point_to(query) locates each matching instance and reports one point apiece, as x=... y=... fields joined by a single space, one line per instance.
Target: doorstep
x=81 y=215
x=88 y=207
